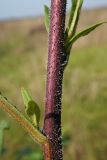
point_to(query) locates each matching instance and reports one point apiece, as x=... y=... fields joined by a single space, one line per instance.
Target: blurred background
x=23 y=60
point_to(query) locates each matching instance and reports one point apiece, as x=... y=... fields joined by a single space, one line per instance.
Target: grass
x=85 y=101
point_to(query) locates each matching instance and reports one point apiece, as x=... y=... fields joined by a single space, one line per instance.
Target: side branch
x=19 y=117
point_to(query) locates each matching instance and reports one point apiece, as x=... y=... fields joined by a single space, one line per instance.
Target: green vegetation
x=84 y=101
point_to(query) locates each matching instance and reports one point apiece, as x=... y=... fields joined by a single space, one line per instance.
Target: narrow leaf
x=31 y=108
x=72 y=10
x=84 y=33
x=47 y=17
x=74 y=16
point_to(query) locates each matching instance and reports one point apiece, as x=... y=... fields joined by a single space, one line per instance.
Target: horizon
x=41 y=15
x=18 y=10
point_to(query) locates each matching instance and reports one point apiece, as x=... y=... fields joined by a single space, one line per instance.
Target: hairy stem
x=52 y=119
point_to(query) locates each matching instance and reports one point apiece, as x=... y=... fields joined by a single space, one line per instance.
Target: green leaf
x=31 y=108
x=72 y=10
x=47 y=17
x=74 y=16
x=84 y=33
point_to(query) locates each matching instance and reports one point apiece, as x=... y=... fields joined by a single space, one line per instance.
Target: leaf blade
x=26 y=97
x=47 y=17
x=84 y=32
x=72 y=12
x=31 y=108
x=74 y=16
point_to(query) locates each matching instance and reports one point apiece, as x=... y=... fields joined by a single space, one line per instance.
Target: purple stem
x=55 y=69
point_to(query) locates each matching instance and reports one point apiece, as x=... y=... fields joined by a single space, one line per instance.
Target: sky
x=24 y=8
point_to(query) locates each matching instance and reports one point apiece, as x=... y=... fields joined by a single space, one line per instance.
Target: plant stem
x=19 y=117
x=55 y=69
